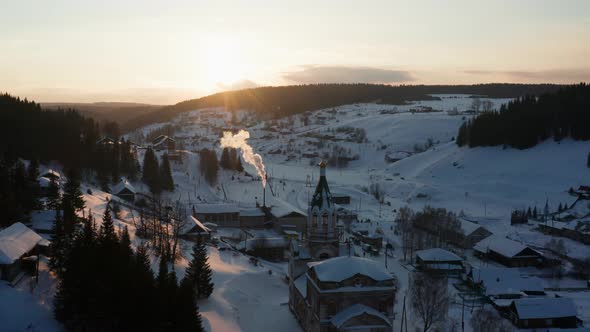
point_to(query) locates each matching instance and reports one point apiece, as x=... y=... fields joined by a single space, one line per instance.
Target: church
x=328 y=289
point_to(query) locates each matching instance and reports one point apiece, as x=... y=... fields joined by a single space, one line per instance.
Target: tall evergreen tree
x=58 y=244
x=151 y=171
x=588 y=160
x=198 y=274
x=72 y=201
x=166 y=181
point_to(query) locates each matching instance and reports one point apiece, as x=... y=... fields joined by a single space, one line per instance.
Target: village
x=345 y=236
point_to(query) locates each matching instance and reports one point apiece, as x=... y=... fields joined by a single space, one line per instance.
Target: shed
x=544 y=312
x=195 y=230
x=16 y=242
x=438 y=260
x=508 y=252
x=124 y=190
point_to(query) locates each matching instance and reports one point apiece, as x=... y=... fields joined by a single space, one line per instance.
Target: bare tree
x=429 y=299
x=476 y=105
x=488 y=320
x=487 y=105
x=404 y=228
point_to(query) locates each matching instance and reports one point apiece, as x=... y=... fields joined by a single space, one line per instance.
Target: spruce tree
x=107 y=236
x=239 y=166
x=151 y=171
x=53 y=201
x=224 y=162
x=72 y=201
x=588 y=160
x=198 y=273
x=57 y=246
x=535 y=212
x=167 y=183
x=187 y=316
x=559 y=208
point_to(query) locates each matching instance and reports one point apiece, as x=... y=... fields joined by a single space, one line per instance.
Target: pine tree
x=559 y=208
x=239 y=166
x=529 y=213
x=126 y=249
x=224 y=162
x=588 y=160
x=205 y=278
x=535 y=212
x=58 y=244
x=107 y=236
x=167 y=183
x=72 y=201
x=162 y=279
x=53 y=201
x=151 y=171
x=187 y=316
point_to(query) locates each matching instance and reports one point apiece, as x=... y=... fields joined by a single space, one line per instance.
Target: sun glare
x=222 y=63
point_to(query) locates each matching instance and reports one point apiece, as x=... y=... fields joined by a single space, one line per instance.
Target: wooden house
x=436 y=260
x=164 y=142
x=542 y=313
x=508 y=252
x=16 y=243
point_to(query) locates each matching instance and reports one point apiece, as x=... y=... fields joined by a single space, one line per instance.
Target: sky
x=163 y=52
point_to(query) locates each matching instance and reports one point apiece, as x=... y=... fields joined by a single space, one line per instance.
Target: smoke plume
x=238 y=141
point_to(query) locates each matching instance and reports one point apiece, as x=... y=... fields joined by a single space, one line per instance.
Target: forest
x=531 y=119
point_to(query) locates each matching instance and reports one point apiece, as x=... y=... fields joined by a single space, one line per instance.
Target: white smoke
x=238 y=141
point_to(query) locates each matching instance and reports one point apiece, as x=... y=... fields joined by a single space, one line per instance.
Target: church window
x=314 y=220
x=325 y=219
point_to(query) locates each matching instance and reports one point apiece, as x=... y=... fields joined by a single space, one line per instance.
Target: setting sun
x=222 y=64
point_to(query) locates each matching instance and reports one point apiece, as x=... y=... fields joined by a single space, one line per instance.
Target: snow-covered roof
x=16 y=241
x=212 y=208
x=356 y=310
x=437 y=255
x=468 y=227
x=282 y=208
x=123 y=184
x=44 y=182
x=251 y=212
x=545 y=307
x=500 y=245
x=161 y=139
x=51 y=173
x=193 y=222
x=344 y=267
x=501 y=281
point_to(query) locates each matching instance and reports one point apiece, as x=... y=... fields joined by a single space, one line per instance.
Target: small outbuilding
x=16 y=243
x=544 y=312
x=164 y=142
x=438 y=260
x=222 y=214
x=508 y=252
x=194 y=230
x=124 y=190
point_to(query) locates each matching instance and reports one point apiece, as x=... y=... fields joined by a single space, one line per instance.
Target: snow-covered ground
x=486 y=184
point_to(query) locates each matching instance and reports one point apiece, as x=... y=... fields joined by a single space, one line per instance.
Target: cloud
x=341 y=74
x=571 y=75
x=239 y=85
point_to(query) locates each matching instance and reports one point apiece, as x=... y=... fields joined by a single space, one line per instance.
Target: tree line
x=529 y=120
x=280 y=101
x=105 y=285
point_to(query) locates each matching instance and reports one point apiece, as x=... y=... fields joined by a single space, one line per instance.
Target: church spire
x=322 y=198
